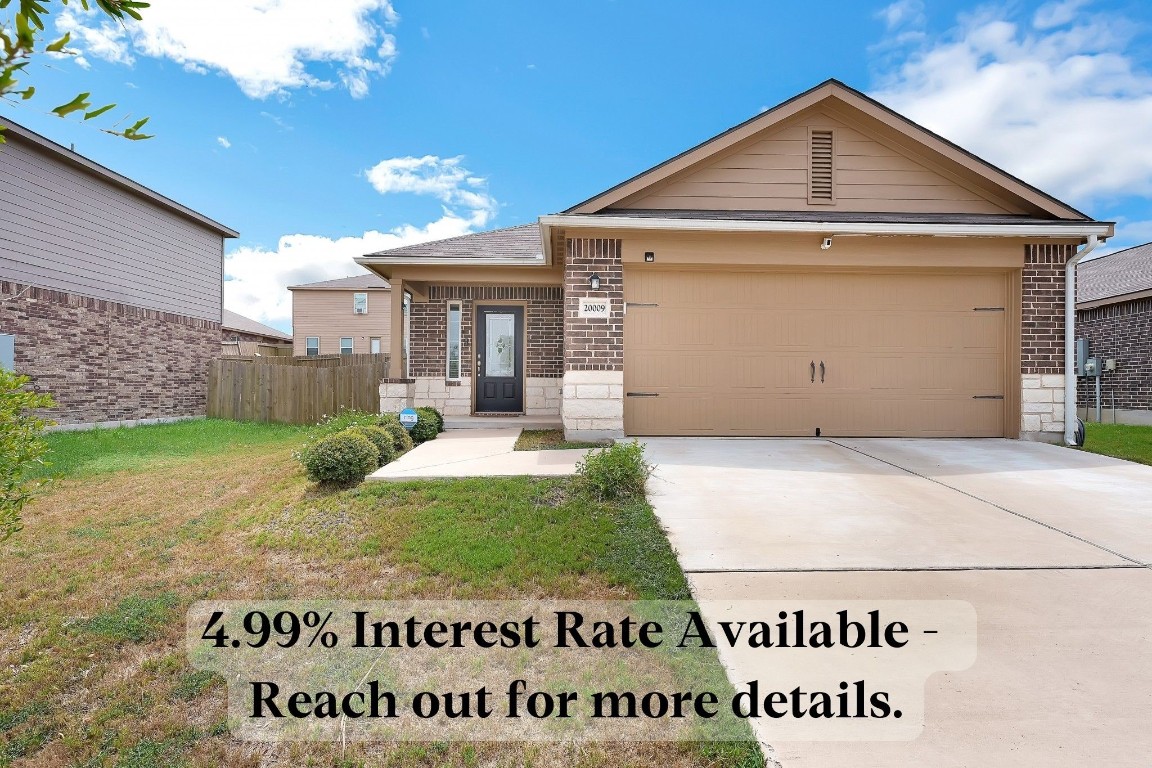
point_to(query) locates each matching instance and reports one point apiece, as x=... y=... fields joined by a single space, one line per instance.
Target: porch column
x=396 y=334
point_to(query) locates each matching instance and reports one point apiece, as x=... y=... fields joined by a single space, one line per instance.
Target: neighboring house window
x=360 y=303
x=312 y=346
x=453 y=340
x=346 y=345
x=375 y=345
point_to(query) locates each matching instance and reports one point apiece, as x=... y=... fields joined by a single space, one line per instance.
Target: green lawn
x=143 y=522
x=548 y=440
x=1120 y=440
x=89 y=452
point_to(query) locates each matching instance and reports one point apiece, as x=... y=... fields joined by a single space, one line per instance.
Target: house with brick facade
x=826 y=268
x=112 y=292
x=1114 y=312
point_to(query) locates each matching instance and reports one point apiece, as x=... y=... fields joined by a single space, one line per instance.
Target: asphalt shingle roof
x=367 y=280
x=1117 y=274
x=235 y=322
x=520 y=242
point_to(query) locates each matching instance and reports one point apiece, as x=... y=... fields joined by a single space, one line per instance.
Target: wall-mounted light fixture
x=826 y=244
x=649 y=256
x=594 y=281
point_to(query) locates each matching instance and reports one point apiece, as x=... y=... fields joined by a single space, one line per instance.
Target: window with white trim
x=312 y=346
x=454 y=313
x=360 y=303
x=346 y=345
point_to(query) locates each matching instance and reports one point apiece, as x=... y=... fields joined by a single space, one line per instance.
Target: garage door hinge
x=987 y=397
x=987 y=309
x=643 y=394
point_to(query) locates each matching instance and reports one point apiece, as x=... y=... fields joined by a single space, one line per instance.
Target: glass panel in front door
x=500 y=340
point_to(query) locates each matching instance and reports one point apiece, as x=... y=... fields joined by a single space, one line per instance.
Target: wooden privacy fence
x=294 y=390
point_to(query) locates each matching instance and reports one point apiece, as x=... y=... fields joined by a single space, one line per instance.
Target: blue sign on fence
x=408 y=418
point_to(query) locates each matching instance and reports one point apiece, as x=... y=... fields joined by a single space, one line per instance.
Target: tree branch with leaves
x=23 y=42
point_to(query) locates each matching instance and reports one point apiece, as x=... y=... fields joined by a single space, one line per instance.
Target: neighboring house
x=112 y=291
x=1114 y=312
x=825 y=268
x=350 y=315
x=244 y=336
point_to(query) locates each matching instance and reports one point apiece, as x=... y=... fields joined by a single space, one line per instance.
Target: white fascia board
x=1060 y=230
x=538 y=261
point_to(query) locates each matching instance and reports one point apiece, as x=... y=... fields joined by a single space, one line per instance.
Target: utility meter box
x=1082 y=352
x=1092 y=367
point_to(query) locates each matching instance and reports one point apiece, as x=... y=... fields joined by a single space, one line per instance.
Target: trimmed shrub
x=426 y=428
x=379 y=438
x=401 y=440
x=345 y=457
x=614 y=472
x=431 y=414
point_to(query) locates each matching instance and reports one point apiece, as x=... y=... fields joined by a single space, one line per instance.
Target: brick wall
x=544 y=328
x=1122 y=331
x=105 y=361
x=1042 y=313
x=229 y=334
x=593 y=344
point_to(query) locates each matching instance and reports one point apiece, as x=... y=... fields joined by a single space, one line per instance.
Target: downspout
x=1070 y=339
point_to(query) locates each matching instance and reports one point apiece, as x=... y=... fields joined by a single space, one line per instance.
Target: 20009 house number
x=594 y=308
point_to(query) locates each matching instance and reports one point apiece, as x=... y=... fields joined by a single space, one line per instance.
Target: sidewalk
x=477 y=453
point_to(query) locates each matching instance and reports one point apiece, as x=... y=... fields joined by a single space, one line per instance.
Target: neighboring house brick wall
x=229 y=334
x=328 y=315
x=593 y=396
x=1122 y=331
x=105 y=361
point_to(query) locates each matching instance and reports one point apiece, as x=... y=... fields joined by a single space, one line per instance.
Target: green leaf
x=98 y=112
x=77 y=104
x=28 y=92
x=58 y=46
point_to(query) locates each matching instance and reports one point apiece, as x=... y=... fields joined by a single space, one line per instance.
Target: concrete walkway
x=1050 y=546
x=477 y=453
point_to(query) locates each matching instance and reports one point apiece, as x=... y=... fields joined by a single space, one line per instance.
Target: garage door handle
x=812 y=372
x=643 y=394
x=821 y=371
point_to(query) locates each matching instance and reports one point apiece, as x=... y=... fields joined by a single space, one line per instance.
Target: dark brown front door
x=499 y=359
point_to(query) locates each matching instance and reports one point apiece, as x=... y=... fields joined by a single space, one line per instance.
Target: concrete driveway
x=1051 y=546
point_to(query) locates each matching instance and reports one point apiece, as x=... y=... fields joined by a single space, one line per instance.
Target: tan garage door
x=851 y=354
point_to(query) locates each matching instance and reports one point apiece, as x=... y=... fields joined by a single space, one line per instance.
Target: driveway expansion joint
x=974 y=497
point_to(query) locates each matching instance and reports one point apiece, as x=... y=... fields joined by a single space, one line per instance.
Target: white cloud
x=223 y=141
x=257 y=279
x=1060 y=102
x=1057 y=14
x=443 y=178
x=903 y=13
x=266 y=46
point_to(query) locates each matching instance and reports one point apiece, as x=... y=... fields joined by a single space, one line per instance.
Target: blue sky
x=324 y=130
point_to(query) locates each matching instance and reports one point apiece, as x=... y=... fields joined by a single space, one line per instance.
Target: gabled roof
x=367 y=281
x=235 y=322
x=836 y=96
x=511 y=246
x=1117 y=276
x=16 y=132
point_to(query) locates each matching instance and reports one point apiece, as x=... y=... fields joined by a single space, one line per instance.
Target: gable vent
x=821 y=184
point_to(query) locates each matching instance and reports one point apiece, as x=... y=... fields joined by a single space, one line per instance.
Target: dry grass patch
x=92 y=665
x=550 y=440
